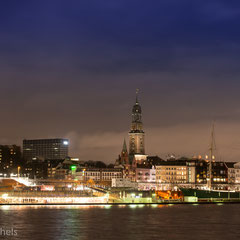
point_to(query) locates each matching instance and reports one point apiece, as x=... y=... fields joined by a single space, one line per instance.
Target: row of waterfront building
x=150 y=169
x=48 y=159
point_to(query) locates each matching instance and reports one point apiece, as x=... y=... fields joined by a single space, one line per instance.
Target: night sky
x=71 y=69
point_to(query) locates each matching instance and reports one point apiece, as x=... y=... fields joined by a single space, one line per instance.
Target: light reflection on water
x=123 y=221
x=107 y=206
x=22 y=207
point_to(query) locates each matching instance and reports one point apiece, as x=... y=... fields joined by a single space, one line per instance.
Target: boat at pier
x=208 y=192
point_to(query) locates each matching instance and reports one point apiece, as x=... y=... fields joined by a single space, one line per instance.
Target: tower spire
x=137 y=91
x=124 y=149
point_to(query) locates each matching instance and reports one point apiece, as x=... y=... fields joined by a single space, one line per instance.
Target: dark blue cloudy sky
x=70 y=69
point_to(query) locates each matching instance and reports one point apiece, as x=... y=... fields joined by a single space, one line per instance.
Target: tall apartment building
x=237 y=172
x=192 y=171
x=145 y=174
x=219 y=172
x=42 y=149
x=172 y=172
x=10 y=158
x=231 y=175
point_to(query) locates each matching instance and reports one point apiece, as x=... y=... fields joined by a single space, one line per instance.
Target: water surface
x=123 y=222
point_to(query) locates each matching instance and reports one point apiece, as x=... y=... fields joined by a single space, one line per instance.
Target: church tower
x=136 y=134
x=124 y=154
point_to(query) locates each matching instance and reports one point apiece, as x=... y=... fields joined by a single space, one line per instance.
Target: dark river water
x=121 y=222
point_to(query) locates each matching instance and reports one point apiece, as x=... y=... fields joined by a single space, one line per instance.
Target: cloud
x=103 y=146
x=182 y=140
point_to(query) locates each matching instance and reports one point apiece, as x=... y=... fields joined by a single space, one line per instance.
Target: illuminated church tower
x=136 y=135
